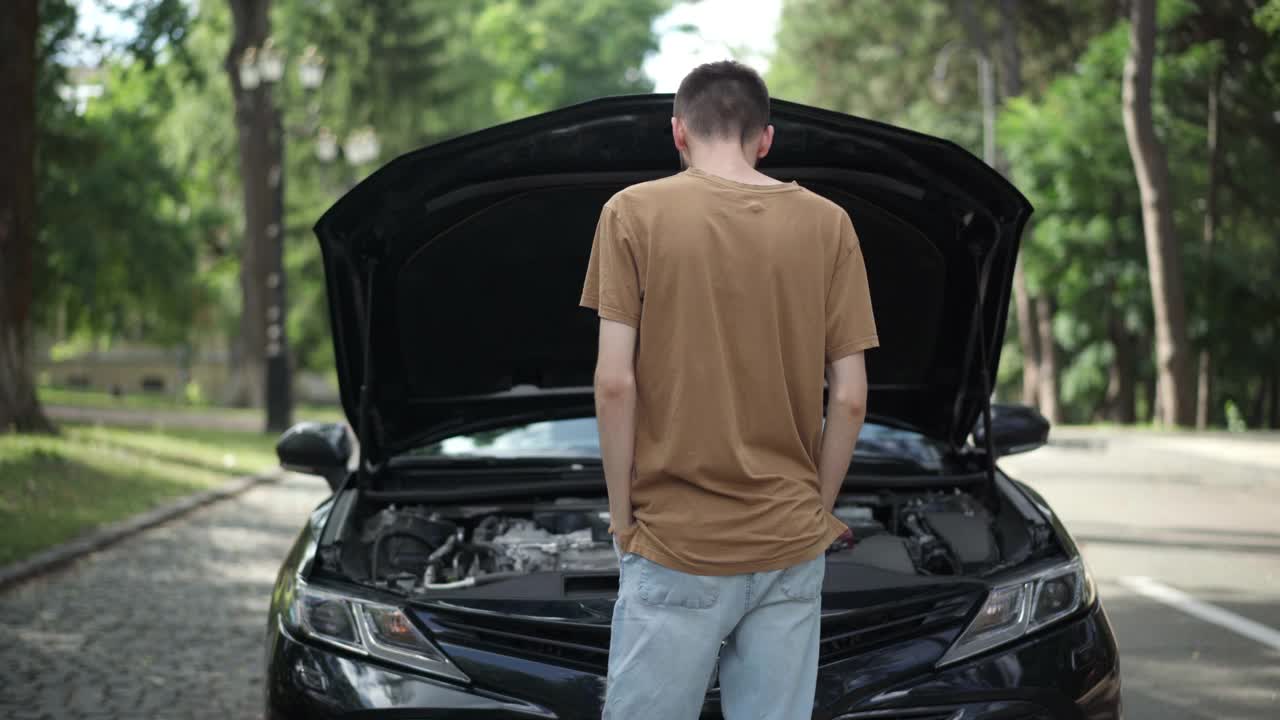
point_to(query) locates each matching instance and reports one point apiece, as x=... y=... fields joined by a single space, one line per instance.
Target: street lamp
x=326 y=145
x=986 y=89
x=249 y=77
x=264 y=67
x=361 y=146
x=310 y=68
x=270 y=62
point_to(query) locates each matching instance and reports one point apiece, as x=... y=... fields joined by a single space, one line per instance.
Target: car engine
x=417 y=548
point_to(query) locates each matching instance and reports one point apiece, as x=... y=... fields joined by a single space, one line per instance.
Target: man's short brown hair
x=723 y=100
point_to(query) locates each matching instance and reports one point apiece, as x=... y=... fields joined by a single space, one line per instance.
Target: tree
x=898 y=63
x=1204 y=378
x=19 y=407
x=117 y=244
x=265 y=365
x=1164 y=256
x=1066 y=152
x=552 y=53
x=1229 y=96
x=878 y=60
x=1028 y=338
x=421 y=71
x=110 y=250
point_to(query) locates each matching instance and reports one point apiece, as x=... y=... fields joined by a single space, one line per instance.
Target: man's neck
x=727 y=160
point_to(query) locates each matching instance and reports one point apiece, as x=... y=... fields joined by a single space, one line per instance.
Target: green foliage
x=878 y=60
x=913 y=64
x=140 y=211
x=139 y=207
x=422 y=71
x=114 y=242
x=162 y=26
x=198 y=140
x=543 y=55
x=1068 y=154
x=1268 y=16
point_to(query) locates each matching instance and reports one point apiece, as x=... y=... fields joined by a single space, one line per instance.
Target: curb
x=72 y=550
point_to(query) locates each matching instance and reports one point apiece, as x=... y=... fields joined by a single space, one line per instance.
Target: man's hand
x=846 y=410
x=615 y=386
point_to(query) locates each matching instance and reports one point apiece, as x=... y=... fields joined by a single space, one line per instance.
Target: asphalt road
x=169 y=623
x=1199 y=518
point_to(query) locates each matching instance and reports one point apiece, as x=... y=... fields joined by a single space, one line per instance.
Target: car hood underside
x=453 y=272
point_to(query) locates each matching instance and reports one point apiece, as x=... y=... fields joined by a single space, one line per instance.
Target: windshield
x=578 y=438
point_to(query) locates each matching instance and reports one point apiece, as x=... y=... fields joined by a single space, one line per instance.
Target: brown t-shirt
x=741 y=295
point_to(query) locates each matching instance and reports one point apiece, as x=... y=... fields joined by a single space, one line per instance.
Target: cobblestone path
x=166 y=624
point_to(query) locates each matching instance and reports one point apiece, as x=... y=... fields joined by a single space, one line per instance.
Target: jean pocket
x=804 y=581
x=663 y=587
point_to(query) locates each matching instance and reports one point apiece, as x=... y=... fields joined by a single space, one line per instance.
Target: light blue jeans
x=670 y=627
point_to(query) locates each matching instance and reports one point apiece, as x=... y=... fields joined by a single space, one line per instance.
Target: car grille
x=586 y=646
x=856 y=631
x=901 y=715
x=578 y=645
x=994 y=710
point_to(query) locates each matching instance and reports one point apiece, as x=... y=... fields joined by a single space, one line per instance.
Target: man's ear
x=765 y=143
x=679 y=135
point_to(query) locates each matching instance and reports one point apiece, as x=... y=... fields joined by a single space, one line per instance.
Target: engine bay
x=413 y=548
x=417 y=548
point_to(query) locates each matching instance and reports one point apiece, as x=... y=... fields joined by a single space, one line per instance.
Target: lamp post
x=986 y=91
x=257 y=74
x=258 y=70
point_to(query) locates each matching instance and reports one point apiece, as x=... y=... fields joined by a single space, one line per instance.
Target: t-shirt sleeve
x=612 y=286
x=851 y=326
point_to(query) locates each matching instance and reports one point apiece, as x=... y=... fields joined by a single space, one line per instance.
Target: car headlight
x=366 y=628
x=1014 y=609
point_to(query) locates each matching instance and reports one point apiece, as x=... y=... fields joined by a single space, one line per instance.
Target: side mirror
x=316 y=449
x=1014 y=429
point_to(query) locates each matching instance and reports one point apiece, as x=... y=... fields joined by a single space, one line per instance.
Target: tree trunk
x=1152 y=397
x=264 y=364
x=1028 y=335
x=1121 y=381
x=1164 y=257
x=1204 y=381
x=1048 y=360
x=1274 y=422
x=1028 y=338
x=1257 y=413
x=19 y=406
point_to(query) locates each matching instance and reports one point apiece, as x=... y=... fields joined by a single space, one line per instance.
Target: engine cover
x=525 y=547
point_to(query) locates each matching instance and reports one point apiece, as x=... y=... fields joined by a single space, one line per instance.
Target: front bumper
x=1068 y=673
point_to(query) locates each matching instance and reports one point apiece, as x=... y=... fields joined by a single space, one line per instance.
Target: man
x=723 y=295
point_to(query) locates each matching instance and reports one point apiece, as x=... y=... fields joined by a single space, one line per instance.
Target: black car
x=464 y=569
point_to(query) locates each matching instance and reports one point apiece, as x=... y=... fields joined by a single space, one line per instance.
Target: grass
x=53 y=488
x=144 y=401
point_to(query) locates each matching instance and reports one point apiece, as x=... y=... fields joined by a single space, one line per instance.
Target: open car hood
x=453 y=272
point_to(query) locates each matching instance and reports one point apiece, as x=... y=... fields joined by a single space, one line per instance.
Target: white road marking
x=1179 y=600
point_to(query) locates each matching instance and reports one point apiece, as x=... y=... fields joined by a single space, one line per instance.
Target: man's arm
x=615 y=385
x=846 y=410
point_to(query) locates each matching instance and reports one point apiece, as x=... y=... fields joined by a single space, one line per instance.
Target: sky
x=741 y=29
